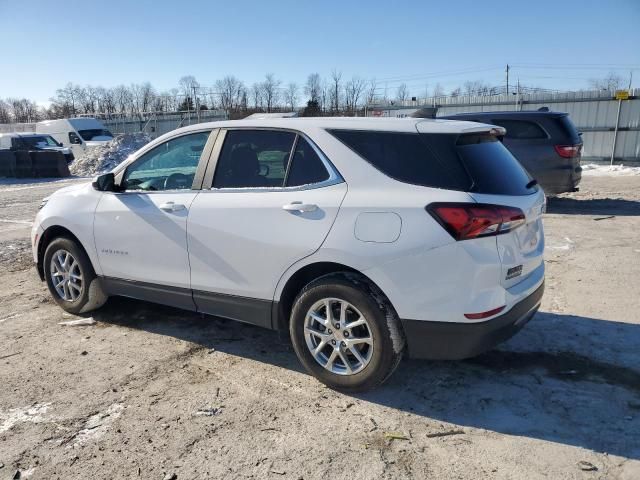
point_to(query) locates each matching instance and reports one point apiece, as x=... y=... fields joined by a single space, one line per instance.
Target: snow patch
x=98 y=424
x=103 y=158
x=33 y=413
x=595 y=170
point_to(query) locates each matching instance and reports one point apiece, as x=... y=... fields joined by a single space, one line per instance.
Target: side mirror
x=105 y=183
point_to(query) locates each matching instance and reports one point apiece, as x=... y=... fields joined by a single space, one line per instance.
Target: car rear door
x=140 y=233
x=271 y=201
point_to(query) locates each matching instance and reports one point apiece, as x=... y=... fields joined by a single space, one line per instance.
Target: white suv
x=361 y=237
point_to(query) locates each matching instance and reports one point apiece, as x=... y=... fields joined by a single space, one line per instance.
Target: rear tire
x=355 y=347
x=70 y=277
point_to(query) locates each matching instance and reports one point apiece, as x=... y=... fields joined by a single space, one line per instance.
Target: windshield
x=40 y=141
x=95 y=133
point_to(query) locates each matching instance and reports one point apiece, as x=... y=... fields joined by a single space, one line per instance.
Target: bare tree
x=353 y=90
x=189 y=87
x=270 y=88
x=230 y=91
x=611 y=82
x=438 y=91
x=370 y=94
x=5 y=116
x=325 y=96
x=22 y=110
x=334 y=94
x=456 y=92
x=313 y=87
x=402 y=93
x=257 y=97
x=291 y=96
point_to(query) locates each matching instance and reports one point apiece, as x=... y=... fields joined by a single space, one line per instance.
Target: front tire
x=346 y=333
x=72 y=282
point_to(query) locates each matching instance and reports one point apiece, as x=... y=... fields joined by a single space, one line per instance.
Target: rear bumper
x=456 y=341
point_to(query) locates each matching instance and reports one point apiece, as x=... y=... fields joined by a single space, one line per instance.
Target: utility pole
x=507 y=70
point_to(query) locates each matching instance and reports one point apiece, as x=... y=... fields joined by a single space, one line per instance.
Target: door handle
x=172 y=207
x=300 y=207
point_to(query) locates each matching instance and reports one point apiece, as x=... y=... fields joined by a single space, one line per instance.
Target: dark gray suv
x=546 y=143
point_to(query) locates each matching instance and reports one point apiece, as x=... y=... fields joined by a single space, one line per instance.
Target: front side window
x=253 y=158
x=74 y=138
x=169 y=166
x=521 y=129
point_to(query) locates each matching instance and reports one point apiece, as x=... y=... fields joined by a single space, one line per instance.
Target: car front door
x=272 y=201
x=140 y=232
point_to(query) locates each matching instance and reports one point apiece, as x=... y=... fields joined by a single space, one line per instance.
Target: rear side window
x=469 y=162
x=306 y=166
x=493 y=169
x=253 y=158
x=521 y=129
x=568 y=128
x=406 y=157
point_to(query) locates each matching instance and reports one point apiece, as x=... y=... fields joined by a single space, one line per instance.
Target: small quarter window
x=306 y=166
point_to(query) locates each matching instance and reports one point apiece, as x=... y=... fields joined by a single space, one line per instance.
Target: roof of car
x=502 y=113
x=22 y=134
x=350 y=123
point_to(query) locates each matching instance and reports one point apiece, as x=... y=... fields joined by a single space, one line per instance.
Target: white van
x=33 y=141
x=76 y=133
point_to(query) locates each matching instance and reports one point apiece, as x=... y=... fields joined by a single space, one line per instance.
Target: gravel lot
x=151 y=392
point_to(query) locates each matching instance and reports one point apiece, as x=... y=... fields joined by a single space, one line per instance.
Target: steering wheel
x=177 y=181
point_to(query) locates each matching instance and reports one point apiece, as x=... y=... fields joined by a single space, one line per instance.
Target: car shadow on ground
x=566 y=379
x=593 y=206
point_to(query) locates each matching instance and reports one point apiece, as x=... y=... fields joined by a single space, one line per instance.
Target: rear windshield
x=474 y=163
x=96 y=133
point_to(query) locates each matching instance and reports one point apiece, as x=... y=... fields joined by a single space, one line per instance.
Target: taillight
x=464 y=221
x=568 y=151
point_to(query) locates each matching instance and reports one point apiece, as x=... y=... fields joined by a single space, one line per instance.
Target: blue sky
x=552 y=44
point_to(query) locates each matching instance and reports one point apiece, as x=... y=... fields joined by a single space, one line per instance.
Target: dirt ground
x=151 y=392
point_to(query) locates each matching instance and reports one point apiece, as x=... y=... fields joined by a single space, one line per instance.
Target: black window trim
x=207 y=185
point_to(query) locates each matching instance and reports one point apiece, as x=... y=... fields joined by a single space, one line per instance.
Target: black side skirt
x=243 y=309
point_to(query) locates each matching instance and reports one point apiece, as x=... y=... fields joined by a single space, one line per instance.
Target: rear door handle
x=172 y=207
x=300 y=207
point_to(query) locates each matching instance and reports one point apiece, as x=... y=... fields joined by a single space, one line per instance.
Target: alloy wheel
x=66 y=275
x=338 y=336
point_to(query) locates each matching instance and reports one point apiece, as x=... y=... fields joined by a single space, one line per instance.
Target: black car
x=546 y=143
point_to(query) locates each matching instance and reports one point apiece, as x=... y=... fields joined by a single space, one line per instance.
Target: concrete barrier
x=7 y=164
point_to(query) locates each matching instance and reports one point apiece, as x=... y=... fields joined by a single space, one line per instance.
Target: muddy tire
x=346 y=333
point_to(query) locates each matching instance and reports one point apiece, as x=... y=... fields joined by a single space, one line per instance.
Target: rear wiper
x=532 y=183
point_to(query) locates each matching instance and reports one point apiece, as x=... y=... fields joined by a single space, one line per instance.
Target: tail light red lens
x=568 y=151
x=464 y=221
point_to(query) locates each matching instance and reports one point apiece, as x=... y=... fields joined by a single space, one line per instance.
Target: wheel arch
x=295 y=283
x=51 y=233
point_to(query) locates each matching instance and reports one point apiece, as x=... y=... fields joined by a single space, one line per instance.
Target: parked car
x=33 y=141
x=76 y=133
x=360 y=237
x=546 y=143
